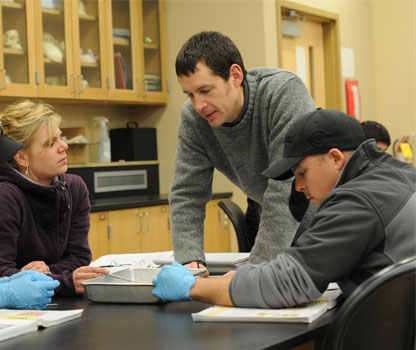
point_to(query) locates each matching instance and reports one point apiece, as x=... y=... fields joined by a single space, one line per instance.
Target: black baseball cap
x=316 y=133
x=8 y=148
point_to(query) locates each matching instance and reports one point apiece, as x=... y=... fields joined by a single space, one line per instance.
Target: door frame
x=332 y=49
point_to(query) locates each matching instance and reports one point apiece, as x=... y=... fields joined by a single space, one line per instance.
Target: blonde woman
x=44 y=213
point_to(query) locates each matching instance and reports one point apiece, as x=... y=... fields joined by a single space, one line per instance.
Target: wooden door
x=304 y=56
x=155 y=236
x=54 y=56
x=98 y=235
x=152 y=52
x=89 y=46
x=315 y=53
x=216 y=229
x=125 y=231
x=17 y=58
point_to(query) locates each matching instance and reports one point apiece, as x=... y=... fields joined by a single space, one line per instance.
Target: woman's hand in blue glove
x=27 y=290
x=174 y=282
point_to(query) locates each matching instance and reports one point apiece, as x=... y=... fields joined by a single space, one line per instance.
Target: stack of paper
x=217 y=262
x=14 y=328
x=17 y=322
x=303 y=314
x=43 y=318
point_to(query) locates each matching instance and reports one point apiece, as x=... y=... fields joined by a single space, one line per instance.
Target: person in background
x=44 y=213
x=365 y=221
x=377 y=131
x=234 y=121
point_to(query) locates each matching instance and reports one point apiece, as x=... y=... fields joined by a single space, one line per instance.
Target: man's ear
x=21 y=158
x=337 y=157
x=236 y=75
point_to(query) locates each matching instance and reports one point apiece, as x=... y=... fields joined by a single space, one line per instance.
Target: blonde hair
x=21 y=121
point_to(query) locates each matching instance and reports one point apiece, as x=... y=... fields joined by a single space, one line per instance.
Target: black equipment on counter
x=133 y=143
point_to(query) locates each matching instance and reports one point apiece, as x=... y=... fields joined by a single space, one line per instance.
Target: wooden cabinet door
x=98 y=235
x=123 y=36
x=216 y=229
x=125 y=228
x=54 y=55
x=152 y=52
x=17 y=44
x=155 y=236
x=89 y=47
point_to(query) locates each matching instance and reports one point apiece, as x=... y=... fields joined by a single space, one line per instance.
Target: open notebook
x=302 y=314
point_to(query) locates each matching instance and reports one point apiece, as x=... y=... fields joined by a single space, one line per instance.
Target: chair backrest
x=238 y=219
x=379 y=314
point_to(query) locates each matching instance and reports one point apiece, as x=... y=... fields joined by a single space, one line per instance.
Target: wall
x=394 y=46
x=381 y=33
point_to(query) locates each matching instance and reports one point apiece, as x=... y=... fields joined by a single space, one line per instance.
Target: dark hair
x=374 y=130
x=217 y=51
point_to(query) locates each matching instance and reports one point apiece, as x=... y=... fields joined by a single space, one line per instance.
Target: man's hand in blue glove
x=174 y=282
x=27 y=290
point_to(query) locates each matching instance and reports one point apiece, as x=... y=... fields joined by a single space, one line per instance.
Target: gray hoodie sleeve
x=280 y=283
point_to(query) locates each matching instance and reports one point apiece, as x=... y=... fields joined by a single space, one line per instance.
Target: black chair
x=237 y=217
x=379 y=314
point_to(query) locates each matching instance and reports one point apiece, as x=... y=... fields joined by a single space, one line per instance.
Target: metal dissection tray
x=108 y=289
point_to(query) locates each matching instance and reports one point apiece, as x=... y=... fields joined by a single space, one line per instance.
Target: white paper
x=301 y=64
x=347 y=62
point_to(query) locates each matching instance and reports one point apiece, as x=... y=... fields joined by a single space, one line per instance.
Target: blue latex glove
x=174 y=282
x=29 y=290
x=39 y=276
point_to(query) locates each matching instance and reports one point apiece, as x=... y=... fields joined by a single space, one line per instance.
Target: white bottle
x=104 y=149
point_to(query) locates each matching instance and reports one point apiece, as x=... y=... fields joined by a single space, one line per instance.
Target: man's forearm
x=213 y=290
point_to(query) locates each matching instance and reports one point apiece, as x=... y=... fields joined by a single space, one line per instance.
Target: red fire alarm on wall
x=353 y=99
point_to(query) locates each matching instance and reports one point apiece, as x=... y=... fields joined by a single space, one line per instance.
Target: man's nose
x=199 y=103
x=299 y=185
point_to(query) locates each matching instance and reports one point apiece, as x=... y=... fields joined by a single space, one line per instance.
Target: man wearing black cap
x=365 y=220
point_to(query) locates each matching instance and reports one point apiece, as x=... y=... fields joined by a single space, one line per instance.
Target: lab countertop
x=126 y=202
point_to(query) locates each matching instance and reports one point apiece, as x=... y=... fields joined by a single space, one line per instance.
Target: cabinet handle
x=110 y=231
x=108 y=82
x=139 y=87
x=37 y=77
x=140 y=215
x=74 y=77
x=81 y=77
x=147 y=222
x=145 y=87
x=4 y=80
x=102 y=217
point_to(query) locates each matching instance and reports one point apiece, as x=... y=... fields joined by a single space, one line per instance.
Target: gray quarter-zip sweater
x=241 y=152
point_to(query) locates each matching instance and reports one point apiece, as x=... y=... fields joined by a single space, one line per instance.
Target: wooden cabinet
x=17 y=59
x=147 y=229
x=137 y=230
x=69 y=51
x=216 y=228
x=138 y=46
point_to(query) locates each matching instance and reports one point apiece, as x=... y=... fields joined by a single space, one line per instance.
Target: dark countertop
x=127 y=202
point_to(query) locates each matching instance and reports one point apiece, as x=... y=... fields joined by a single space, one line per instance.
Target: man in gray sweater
x=365 y=221
x=234 y=121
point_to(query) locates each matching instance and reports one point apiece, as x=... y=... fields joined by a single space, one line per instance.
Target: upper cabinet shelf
x=75 y=51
